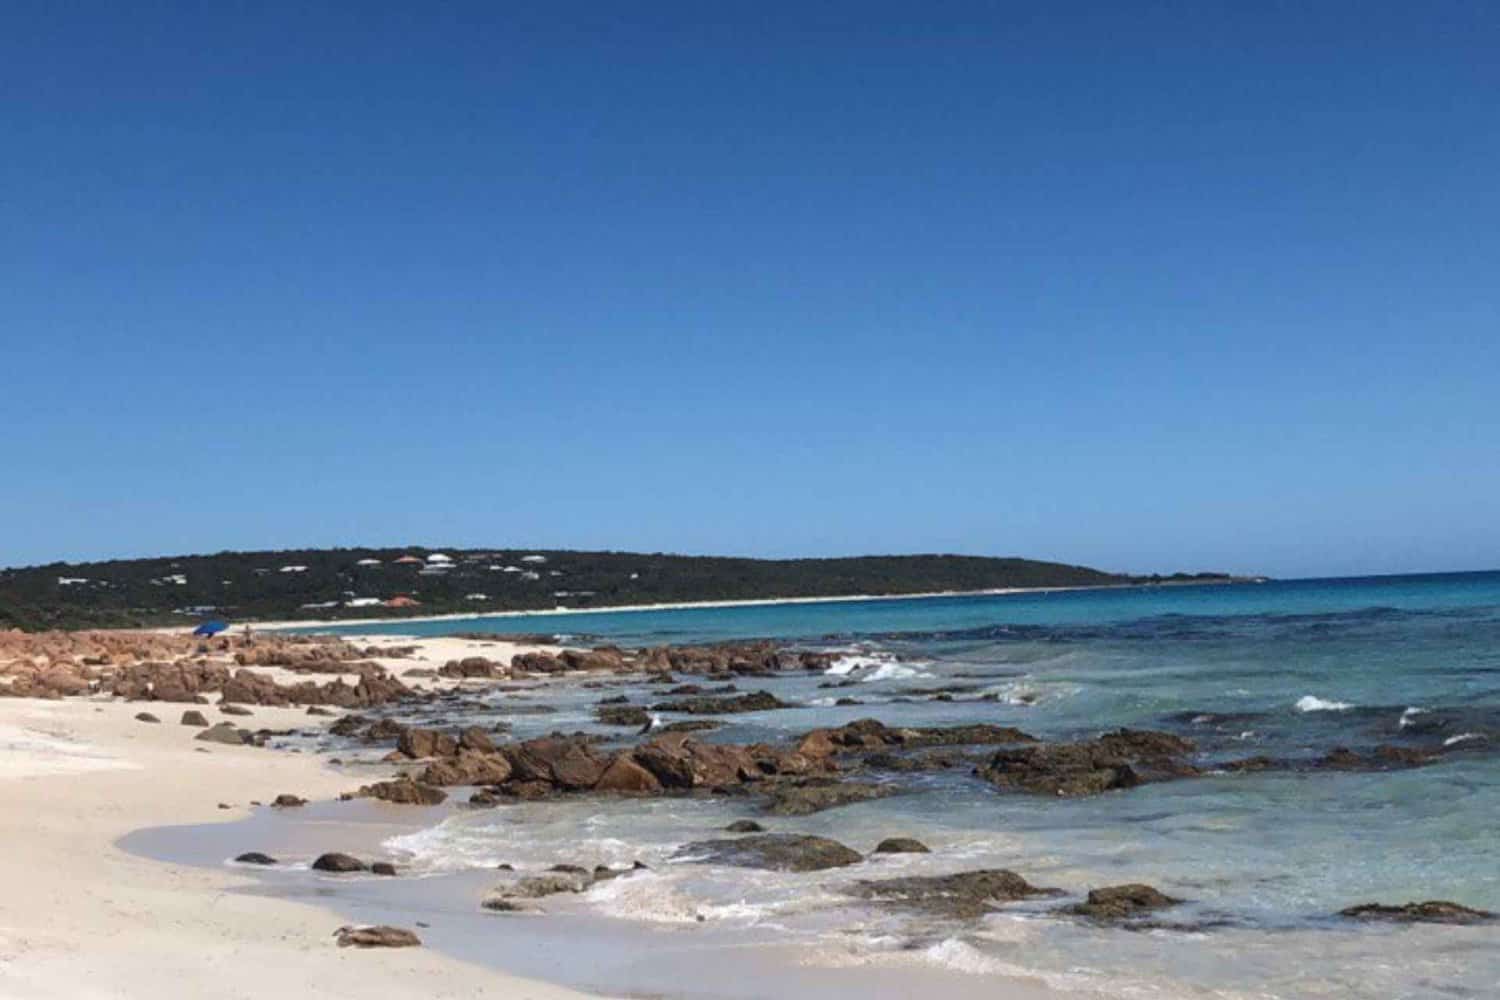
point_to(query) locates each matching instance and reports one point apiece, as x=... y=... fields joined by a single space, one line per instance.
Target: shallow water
x=1264 y=859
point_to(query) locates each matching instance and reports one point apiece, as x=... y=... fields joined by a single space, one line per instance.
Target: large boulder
x=624 y=774
x=775 y=851
x=470 y=767
x=566 y=764
x=334 y=861
x=422 y=743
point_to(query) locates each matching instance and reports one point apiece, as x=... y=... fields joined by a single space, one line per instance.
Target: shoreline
x=86 y=918
x=315 y=623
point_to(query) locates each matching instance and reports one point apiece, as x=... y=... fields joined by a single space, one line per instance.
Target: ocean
x=1264 y=860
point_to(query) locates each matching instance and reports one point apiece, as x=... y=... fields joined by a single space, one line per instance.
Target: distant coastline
x=305 y=625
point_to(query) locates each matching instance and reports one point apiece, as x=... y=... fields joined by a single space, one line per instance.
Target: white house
x=534 y=559
x=439 y=559
x=476 y=597
x=512 y=569
x=362 y=602
x=292 y=569
x=368 y=562
x=531 y=576
x=71 y=581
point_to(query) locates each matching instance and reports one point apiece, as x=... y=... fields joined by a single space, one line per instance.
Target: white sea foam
x=868 y=668
x=1463 y=738
x=1410 y=714
x=1312 y=703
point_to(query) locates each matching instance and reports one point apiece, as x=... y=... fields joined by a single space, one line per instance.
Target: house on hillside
x=292 y=569
x=476 y=597
x=368 y=562
x=534 y=559
x=363 y=602
x=437 y=558
x=409 y=561
x=402 y=601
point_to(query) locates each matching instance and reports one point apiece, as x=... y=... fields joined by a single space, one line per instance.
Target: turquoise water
x=936 y=614
x=1285 y=669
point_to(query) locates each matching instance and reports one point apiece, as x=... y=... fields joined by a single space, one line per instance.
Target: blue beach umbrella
x=211 y=628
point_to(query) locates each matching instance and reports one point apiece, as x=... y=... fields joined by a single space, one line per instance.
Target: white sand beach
x=81 y=918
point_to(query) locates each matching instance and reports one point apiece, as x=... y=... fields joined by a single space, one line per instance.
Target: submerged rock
x=872 y=734
x=788 y=852
x=901 y=845
x=1122 y=759
x=1433 y=911
x=336 y=862
x=964 y=895
x=622 y=715
x=1120 y=902
x=255 y=858
x=806 y=799
x=744 y=826
x=753 y=701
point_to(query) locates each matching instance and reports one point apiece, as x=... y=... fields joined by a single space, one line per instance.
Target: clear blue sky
x=1144 y=286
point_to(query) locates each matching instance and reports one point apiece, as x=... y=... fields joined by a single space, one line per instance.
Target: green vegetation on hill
x=347 y=583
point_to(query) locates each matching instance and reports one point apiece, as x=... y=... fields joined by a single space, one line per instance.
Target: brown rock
x=377 y=937
x=1120 y=902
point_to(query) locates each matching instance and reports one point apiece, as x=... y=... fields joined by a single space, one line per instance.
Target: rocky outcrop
x=146 y=717
x=1433 y=911
x=404 y=791
x=753 y=701
x=1121 y=902
x=775 y=851
x=255 y=858
x=963 y=896
x=872 y=734
x=468 y=767
x=756 y=659
x=1122 y=759
x=471 y=667
x=622 y=715
x=286 y=800
x=901 y=845
x=193 y=717
x=419 y=744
